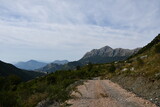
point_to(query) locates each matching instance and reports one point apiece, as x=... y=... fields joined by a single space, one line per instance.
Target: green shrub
x=112 y=68
x=51 y=79
x=14 y=80
x=157 y=48
x=78 y=67
x=90 y=66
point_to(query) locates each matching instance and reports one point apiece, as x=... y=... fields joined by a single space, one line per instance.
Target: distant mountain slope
x=61 y=62
x=51 y=67
x=107 y=55
x=8 y=69
x=97 y=56
x=30 y=65
x=56 y=65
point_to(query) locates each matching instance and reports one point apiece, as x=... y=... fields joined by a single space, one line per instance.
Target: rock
x=132 y=69
x=125 y=69
x=145 y=56
x=116 y=62
x=151 y=99
x=107 y=54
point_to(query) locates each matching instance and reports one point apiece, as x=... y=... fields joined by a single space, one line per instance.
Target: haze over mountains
x=97 y=56
x=30 y=65
x=33 y=64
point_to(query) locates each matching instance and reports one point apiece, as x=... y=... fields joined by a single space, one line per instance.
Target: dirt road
x=104 y=93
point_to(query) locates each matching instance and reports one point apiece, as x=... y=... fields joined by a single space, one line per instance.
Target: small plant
x=104 y=95
x=140 y=62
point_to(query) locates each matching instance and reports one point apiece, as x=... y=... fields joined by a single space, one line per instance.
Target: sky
x=48 y=30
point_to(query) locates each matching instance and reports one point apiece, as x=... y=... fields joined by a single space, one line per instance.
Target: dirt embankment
x=104 y=93
x=143 y=87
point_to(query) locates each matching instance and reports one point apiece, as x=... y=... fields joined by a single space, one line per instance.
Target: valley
x=138 y=74
x=79 y=53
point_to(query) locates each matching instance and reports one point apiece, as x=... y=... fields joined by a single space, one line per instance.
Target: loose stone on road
x=105 y=93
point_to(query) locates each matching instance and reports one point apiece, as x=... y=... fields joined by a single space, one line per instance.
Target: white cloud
x=74 y=26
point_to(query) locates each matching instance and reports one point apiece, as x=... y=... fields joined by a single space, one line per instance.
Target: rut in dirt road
x=104 y=93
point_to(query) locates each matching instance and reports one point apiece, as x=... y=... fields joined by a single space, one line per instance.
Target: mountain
x=30 y=65
x=107 y=55
x=7 y=69
x=56 y=65
x=61 y=62
x=96 y=56
x=51 y=67
x=139 y=74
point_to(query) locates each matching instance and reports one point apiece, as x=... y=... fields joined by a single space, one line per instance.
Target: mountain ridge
x=97 y=56
x=109 y=53
x=30 y=65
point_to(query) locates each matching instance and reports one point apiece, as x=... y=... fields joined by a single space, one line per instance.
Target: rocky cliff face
x=107 y=54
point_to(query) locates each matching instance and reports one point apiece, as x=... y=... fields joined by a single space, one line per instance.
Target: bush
x=157 y=48
x=51 y=79
x=14 y=80
x=78 y=67
x=90 y=66
x=112 y=68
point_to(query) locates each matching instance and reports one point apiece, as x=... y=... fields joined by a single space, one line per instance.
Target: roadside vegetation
x=57 y=86
x=14 y=92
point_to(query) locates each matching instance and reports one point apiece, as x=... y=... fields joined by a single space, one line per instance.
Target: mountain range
x=33 y=64
x=96 y=56
x=139 y=74
x=107 y=54
x=60 y=62
x=30 y=65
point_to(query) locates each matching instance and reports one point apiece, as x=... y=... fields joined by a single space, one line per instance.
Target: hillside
x=8 y=69
x=51 y=68
x=56 y=65
x=30 y=65
x=139 y=74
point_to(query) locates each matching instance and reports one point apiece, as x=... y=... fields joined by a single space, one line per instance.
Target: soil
x=105 y=93
x=144 y=87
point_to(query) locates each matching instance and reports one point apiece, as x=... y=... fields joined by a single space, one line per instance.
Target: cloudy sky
x=47 y=30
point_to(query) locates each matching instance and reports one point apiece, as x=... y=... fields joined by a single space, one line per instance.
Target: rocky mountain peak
x=107 y=54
